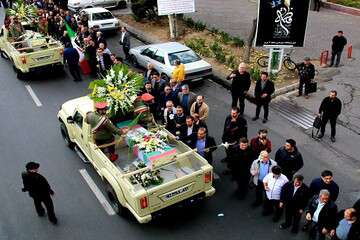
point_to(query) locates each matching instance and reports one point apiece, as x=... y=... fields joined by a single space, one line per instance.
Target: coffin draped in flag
x=281 y=22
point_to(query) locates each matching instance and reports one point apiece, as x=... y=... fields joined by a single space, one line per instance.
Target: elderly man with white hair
x=321 y=216
x=239 y=86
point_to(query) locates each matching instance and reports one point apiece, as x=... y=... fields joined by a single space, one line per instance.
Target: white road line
x=98 y=194
x=33 y=95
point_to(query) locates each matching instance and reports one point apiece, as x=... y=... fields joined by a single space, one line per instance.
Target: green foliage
x=196 y=25
x=218 y=52
x=231 y=62
x=349 y=3
x=255 y=73
x=273 y=76
x=238 y=42
x=189 y=22
x=225 y=37
x=199 y=46
x=23 y=11
x=144 y=9
x=214 y=30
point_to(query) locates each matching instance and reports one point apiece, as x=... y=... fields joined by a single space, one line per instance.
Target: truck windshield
x=102 y=16
x=187 y=56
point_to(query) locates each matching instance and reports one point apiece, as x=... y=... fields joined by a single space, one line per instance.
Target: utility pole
x=173 y=27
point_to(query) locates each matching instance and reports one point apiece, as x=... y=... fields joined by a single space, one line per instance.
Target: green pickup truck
x=31 y=52
x=185 y=177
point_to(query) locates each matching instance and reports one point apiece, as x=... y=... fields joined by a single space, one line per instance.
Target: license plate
x=42 y=58
x=176 y=193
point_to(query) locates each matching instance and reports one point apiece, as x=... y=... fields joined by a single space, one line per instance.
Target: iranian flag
x=84 y=65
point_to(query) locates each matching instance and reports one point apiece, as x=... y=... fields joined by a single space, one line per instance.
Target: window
x=78 y=119
x=102 y=16
x=187 y=56
x=159 y=56
x=149 y=52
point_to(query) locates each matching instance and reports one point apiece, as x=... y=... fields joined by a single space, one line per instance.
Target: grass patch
x=349 y=3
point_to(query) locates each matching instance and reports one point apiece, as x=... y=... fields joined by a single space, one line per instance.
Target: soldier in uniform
x=103 y=129
x=40 y=190
x=15 y=28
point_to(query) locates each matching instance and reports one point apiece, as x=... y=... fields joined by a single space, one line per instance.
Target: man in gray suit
x=186 y=98
x=125 y=42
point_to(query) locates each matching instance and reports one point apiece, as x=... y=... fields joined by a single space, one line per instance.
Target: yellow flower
x=110 y=88
x=94 y=91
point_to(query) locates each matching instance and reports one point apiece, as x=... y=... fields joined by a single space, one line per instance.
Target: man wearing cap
x=306 y=72
x=39 y=189
x=103 y=129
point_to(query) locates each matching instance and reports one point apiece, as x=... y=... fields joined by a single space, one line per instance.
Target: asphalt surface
x=31 y=133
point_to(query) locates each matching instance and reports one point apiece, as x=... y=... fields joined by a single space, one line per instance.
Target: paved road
x=32 y=133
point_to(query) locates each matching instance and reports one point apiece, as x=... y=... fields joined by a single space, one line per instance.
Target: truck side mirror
x=70 y=120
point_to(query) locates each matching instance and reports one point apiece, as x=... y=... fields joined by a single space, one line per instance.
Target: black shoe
x=294 y=230
x=320 y=136
x=284 y=226
x=256 y=204
x=41 y=214
x=264 y=120
x=54 y=221
x=255 y=118
x=333 y=139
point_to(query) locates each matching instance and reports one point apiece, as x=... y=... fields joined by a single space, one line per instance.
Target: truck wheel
x=116 y=205
x=65 y=135
x=20 y=75
x=134 y=61
x=4 y=55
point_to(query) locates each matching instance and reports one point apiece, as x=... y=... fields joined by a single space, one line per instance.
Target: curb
x=341 y=8
x=216 y=76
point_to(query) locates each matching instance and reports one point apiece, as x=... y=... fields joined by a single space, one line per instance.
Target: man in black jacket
x=293 y=198
x=125 y=42
x=327 y=182
x=241 y=158
x=188 y=131
x=39 y=189
x=330 y=109
x=338 y=44
x=239 y=86
x=306 y=72
x=289 y=158
x=204 y=144
x=322 y=215
x=263 y=90
x=71 y=56
x=104 y=62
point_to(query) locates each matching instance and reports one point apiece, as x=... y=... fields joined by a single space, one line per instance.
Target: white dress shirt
x=275 y=185
x=320 y=206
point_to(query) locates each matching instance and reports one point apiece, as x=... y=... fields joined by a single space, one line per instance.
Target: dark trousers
x=110 y=149
x=336 y=54
x=292 y=216
x=317 y=5
x=126 y=52
x=47 y=201
x=272 y=206
x=315 y=232
x=265 y=105
x=75 y=71
x=259 y=192
x=242 y=185
x=303 y=82
x=238 y=98
x=324 y=121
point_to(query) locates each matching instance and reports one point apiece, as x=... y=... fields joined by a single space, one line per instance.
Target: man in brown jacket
x=201 y=108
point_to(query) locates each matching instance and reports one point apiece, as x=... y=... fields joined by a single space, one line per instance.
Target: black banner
x=281 y=22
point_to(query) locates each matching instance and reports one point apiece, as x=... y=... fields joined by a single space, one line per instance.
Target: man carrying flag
x=71 y=56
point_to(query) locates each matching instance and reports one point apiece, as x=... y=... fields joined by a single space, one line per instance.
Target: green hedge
x=349 y=3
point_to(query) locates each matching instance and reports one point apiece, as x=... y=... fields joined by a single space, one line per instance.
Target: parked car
x=101 y=17
x=76 y=5
x=163 y=57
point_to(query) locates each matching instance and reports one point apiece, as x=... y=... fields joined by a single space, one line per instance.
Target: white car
x=163 y=56
x=76 y=5
x=101 y=17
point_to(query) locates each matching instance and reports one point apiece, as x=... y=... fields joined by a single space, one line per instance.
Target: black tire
x=4 y=55
x=165 y=77
x=65 y=135
x=20 y=75
x=116 y=205
x=289 y=64
x=134 y=61
x=122 y=5
x=263 y=61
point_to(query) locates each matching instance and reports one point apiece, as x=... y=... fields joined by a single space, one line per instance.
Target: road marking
x=33 y=95
x=98 y=194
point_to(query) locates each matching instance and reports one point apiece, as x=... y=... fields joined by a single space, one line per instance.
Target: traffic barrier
x=324 y=56
x=349 y=52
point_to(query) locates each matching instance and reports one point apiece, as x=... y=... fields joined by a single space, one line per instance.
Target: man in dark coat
x=338 y=44
x=240 y=160
x=186 y=98
x=261 y=143
x=239 y=86
x=71 y=56
x=330 y=109
x=322 y=215
x=325 y=182
x=104 y=62
x=204 y=144
x=40 y=190
x=289 y=158
x=263 y=90
x=188 y=131
x=125 y=42
x=293 y=198
x=306 y=72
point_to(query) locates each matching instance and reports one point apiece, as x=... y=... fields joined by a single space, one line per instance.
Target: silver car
x=163 y=56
